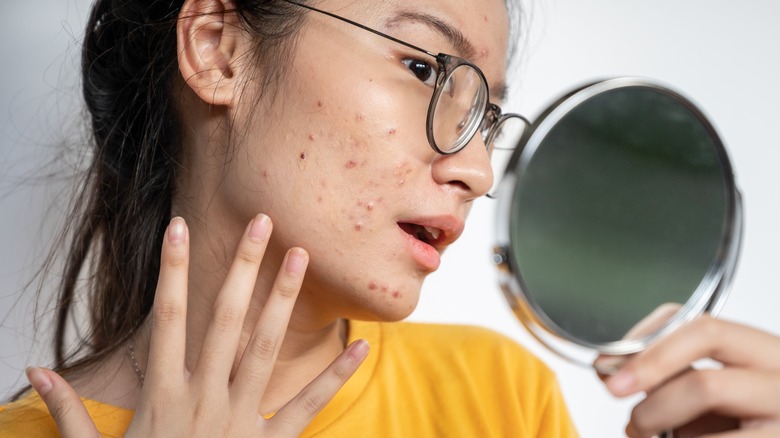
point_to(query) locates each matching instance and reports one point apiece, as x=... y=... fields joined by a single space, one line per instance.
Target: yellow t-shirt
x=420 y=380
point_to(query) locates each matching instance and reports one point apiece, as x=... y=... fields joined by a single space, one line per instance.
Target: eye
x=422 y=70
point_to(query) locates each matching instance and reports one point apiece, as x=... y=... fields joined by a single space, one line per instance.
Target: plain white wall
x=721 y=54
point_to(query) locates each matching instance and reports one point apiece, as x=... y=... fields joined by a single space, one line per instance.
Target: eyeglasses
x=459 y=106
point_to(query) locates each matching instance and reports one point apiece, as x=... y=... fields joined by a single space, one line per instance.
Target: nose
x=468 y=171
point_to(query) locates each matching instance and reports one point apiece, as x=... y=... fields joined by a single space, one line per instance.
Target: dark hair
x=123 y=205
x=113 y=235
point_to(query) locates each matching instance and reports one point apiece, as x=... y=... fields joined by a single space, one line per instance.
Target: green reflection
x=621 y=209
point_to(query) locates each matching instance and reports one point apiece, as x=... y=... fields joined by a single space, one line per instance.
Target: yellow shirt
x=420 y=380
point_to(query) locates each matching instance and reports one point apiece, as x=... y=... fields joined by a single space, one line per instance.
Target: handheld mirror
x=618 y=202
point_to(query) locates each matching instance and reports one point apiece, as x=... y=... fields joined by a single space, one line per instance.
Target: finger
x=63 y=403
x=169 y=312
x=219 y=347
x=292 y=419
x=729 y=343
x=261 y=352
x=729 y=392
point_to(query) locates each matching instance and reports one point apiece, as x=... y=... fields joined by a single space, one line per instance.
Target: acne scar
x=303 y=155
x=319 y=102
x=319 y=199
x=265 y=174
x=372 y=285
x=324 y=184
x=358 y=227
x=358 y=117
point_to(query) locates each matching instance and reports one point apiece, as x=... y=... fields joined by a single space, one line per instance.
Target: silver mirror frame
x=708 y=297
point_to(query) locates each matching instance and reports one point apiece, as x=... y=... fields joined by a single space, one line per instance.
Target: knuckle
x=227 y=316
x=706 y=384
x=311 y=402
x=249 y=253
x=60 y=409
x=287 y=290
x=165 y=313
x=263 y=346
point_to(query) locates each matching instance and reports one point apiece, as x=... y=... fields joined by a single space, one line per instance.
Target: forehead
x=477 y=30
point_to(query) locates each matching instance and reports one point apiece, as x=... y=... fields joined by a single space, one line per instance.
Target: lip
x=428 y=254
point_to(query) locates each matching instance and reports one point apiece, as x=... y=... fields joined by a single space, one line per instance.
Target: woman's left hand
x=740 y=399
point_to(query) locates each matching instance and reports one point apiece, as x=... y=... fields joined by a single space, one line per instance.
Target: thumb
x=63 y=403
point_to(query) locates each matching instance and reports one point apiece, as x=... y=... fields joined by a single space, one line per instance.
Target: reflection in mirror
x=621 y=201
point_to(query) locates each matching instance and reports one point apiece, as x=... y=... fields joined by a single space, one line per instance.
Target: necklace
x=131 y=351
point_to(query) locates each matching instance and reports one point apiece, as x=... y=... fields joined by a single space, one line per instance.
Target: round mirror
x=618 y=219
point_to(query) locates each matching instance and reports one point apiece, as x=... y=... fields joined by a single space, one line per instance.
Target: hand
x=204 y=402
x=740 y=399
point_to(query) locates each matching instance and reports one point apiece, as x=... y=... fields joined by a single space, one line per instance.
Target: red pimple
x=360 y=203
x=358 y=227
x=384 y=288
x=396 y=294
x=351 y=164
x=311 y=137
x=303 y=155
x=391 y=131
x=265 y=174
x=319 y=104
x=372 y=285
x=369 y=206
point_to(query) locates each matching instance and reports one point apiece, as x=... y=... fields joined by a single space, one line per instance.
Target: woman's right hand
x=204 y=401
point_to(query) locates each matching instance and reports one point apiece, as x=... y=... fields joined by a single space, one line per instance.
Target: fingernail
x=609 y=365
x=176 y=230
x=630 y=431
x=39 y=380
x=296 y=261
x=261 y=224
x=622 y=383
x=358 y=350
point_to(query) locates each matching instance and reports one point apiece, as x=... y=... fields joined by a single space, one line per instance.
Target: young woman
x=316 y=161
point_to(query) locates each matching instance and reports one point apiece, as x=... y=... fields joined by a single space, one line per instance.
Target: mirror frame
x=709 y=296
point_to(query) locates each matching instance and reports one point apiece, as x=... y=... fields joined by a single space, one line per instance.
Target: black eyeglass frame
x=491 y=119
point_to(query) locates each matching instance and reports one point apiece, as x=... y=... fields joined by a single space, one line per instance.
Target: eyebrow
x=460 y=43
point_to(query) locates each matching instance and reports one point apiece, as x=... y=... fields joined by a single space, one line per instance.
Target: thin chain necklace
x=131 y=351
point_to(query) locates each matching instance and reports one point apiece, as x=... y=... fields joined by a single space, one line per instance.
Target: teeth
x=433 y=232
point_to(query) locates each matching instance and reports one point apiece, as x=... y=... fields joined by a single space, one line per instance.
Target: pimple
x=384 y=288
x=396 y=294
x=391 y=131
x=360 y=203
x=311 y=137
x=485 y=18
x=319 y=104
x=358 y=117
x=265 y=174
x=303 y=155
x=319 y=199
x=351 y=164
x=400 y=182
x=358 y=227
x=369 y=206
x=324 y=184
x=372 y=285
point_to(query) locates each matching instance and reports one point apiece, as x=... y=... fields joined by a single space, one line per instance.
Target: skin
x=336 y=156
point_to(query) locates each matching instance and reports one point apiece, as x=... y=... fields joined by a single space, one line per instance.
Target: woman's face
x=338 y=156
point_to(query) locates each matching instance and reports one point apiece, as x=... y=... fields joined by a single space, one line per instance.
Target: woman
x=214 y=112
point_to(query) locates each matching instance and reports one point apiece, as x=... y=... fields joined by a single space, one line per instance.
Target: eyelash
x=413 y=63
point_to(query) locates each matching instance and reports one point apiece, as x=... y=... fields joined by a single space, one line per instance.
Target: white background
x=722 y=54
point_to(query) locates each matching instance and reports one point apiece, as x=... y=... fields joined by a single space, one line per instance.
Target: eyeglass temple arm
x=374 y=31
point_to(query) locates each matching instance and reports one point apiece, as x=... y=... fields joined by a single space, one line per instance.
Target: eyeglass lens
x=459 y=108
x=504 y=139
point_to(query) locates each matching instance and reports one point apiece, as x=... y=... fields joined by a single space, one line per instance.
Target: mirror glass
x=619 y=201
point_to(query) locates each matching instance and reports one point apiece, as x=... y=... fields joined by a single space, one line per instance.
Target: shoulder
x=29 y=417
x=26 y=417
x=474 y=344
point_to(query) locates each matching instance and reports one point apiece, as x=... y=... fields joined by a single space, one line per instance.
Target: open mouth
x=429 y=235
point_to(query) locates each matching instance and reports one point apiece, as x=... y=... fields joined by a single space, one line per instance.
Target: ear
x=208 y=41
